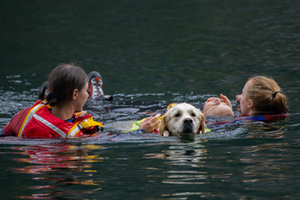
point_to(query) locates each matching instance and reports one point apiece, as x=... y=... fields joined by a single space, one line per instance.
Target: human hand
x=83 y=113
x=150 y=123
x=214 y=101
x=225 y=100
x=211 y=100
x=238 y=98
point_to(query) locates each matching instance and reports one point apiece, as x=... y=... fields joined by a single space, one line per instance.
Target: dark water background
x=150 y=54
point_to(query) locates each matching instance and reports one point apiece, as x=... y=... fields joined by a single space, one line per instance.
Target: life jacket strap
x=84 y=124
x=29 y=117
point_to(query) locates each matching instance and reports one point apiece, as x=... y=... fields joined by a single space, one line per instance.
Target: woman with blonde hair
x=262 y=96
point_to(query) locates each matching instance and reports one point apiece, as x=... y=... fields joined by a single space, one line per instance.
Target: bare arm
x=150 y=123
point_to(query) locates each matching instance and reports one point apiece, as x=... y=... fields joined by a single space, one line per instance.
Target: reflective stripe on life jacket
x=49 y=125
x=73 y=131
x=29 y=116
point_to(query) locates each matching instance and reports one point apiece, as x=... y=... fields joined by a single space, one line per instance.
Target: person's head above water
x=68 y=84
x=217 y=107
x=262 y=95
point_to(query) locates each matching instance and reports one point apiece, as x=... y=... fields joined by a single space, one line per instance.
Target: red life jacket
x=40 y=123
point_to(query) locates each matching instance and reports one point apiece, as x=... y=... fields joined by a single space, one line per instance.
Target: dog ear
x=202 y=120
x=163 y=125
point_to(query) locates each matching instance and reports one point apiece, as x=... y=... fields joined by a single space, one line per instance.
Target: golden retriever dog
x=182 y=119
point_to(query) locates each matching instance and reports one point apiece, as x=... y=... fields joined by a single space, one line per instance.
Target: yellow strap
x=86 y=123
x=207 y=129
x=73 y=131
x=136 y=125
x=89 y=122
x=171 y=105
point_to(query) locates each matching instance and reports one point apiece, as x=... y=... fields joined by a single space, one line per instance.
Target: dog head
x=182 y=119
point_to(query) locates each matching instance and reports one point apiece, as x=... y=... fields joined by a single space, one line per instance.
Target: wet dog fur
x=182 y=119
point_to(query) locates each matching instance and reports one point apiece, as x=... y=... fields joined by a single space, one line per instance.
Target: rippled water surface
x=151 y=54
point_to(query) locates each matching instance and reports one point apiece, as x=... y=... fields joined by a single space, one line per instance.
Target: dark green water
x=156 y=52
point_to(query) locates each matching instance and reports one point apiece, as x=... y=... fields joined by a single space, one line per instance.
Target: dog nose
x=188 y=121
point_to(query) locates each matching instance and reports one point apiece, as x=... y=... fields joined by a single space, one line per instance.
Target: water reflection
x=265 y=130
x=57 y=168
x=187 y=164
x=191 y=169
x=265 y=164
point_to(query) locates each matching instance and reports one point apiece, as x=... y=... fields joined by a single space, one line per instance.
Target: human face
x=81 y=98
x=246 y=105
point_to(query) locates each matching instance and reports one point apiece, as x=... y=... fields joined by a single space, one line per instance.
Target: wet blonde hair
x=267 y=96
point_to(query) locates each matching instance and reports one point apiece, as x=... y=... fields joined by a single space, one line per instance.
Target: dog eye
x=193 y=115
x=177 y=115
